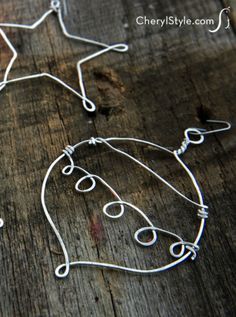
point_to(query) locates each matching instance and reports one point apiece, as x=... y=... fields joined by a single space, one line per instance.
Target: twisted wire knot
x=94 y=141
x=193 y=248
x=202 y=213
x=188 y=140
x=183 y=147
x=69 y=150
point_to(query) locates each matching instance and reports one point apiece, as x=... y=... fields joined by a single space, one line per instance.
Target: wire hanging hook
x=228 y=126
x=200 y=132
x=204 y=131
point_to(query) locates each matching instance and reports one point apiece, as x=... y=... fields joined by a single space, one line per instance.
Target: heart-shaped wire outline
x=182 y=255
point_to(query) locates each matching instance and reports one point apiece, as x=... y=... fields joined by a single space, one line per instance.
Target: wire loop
x=55 y=5
x=81 y=180
x=188 y=132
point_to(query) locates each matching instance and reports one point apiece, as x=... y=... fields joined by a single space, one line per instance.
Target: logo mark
x=220 y=20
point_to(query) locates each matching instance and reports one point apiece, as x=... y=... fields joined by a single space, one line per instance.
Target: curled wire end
x=66 y=269
x=55 y=5
x=193 y=248
x=88 y=104
x=202 y=213
x=68 y=151
x=122 y=48
x=1 y=223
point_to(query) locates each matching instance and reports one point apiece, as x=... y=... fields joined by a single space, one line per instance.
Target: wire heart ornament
x=180 y=249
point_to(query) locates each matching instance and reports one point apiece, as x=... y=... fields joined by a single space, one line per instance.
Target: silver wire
x=204 y=132
x=56 y=7
x=180 y=250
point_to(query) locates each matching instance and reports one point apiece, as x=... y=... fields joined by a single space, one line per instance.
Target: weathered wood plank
x=171 y=79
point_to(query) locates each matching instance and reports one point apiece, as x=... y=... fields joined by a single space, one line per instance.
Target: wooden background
x=169 y=80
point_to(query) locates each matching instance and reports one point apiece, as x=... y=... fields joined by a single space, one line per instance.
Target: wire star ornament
x=56 y=6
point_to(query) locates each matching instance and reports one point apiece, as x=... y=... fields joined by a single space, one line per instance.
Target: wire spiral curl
x=68 y=170
x=180 y=249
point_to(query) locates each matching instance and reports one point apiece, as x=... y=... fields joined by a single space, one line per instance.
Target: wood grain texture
x=170 y=79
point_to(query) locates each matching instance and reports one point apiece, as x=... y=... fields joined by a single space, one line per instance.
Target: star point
x=56 y=8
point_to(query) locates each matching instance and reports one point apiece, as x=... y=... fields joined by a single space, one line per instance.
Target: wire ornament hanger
x=180 y=249
x=56 y=7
